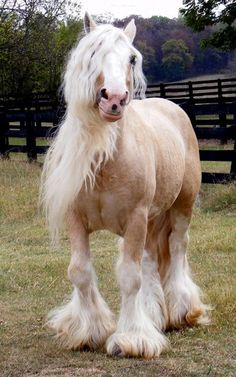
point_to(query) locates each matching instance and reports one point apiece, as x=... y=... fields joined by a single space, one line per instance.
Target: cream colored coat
x=155 y=162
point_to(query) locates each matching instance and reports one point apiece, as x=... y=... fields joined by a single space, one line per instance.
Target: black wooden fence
x=211 y=106
x=28 y=119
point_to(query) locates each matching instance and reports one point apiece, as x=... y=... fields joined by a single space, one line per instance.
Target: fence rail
x=211 y=106
x=197 y=91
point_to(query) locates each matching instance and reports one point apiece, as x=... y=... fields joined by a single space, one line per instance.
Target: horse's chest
x=105 y=209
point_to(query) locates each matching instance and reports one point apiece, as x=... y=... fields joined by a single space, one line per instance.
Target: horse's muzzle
x=111 y=106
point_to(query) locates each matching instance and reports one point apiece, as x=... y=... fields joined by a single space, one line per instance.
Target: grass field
x=33 y=280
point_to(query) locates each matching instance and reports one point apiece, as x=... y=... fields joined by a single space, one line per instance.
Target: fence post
x=190 y=89
x=222 y=115
x=191 y=112
x=233 y=163
x=3 y=137
x=162 y=90
x=30 y=137
x=22 y=122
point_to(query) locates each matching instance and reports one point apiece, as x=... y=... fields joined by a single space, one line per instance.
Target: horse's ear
x=130 y=30
x=89 y=23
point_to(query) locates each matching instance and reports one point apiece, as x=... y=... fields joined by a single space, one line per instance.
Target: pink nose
x=114 y=102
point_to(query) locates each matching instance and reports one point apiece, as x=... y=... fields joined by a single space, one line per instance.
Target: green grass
x=33 y=280
x=22 y=141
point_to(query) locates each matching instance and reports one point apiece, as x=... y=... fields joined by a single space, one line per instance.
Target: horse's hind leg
x=152 y=292
x=181 y=293
x=85 y=321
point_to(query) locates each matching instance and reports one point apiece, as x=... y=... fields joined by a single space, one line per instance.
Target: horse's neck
x=100 y=137
x=98 y=143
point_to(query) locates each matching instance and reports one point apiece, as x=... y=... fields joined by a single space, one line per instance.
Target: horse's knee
x=129 y=277
x=79 y=274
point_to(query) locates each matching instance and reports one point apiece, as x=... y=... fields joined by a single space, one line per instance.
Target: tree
x=149 y=60
x=32 y=48
x=176 y=59
x=8 y=39
x=220 y=14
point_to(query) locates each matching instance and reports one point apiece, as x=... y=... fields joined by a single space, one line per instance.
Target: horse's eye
x=132 y=59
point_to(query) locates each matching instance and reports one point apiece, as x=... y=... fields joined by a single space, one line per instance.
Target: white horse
x=132 y=167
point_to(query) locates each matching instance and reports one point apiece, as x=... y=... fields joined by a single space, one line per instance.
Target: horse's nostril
x=123 y=101
x=114 y=107
x=104 y=93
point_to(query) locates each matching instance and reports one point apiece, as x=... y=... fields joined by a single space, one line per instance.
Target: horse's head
x=104 y=71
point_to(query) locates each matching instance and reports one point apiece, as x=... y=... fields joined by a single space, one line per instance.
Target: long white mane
x=83 y=143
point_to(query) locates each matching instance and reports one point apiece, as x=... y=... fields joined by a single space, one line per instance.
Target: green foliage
x=176 y=59
x=36 y=36
x=34 y=42
x=154 y=32
x=149 y=59
x=202 y=13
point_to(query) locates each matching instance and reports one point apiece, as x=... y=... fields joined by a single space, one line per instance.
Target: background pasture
x=33 y=280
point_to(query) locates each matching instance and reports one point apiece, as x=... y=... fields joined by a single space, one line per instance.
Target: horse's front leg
x=136 y=334
x=85 y=321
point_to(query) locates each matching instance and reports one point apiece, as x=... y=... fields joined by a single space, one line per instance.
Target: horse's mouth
x=110 y=116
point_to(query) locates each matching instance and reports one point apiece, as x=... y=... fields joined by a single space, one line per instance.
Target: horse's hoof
x=148 y=345
x=116 y=351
